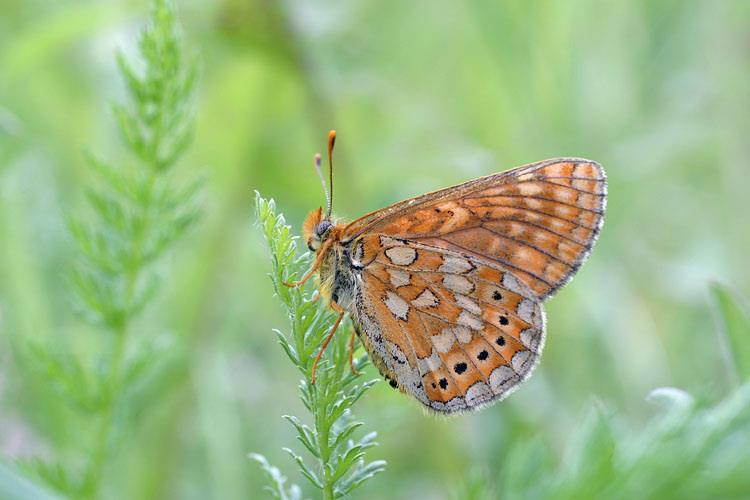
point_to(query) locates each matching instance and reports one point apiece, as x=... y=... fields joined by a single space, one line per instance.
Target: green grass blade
x=733 y=326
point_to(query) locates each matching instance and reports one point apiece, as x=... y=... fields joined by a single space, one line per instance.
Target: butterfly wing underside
x=452 y=281
x=452 y=331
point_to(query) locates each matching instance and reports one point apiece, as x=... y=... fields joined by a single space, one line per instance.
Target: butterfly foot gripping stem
x=297 y=284
x=351 y=354
x=316 y=263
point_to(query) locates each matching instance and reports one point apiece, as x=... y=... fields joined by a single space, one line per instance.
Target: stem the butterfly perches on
x=340 y=466
x=316 y=263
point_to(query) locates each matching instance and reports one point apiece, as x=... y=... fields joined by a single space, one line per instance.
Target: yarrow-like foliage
x=689 y=449
x=137 y=211
x=339 y=457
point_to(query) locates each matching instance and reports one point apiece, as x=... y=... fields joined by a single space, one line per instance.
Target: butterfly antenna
x=331 y=142
x=316 y=162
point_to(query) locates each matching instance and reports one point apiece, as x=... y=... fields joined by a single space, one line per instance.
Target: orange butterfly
x=445 y=290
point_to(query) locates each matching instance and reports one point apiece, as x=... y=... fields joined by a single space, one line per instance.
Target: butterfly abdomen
x=326 y=275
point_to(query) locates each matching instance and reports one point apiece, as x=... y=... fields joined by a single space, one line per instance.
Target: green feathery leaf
x=136 y=213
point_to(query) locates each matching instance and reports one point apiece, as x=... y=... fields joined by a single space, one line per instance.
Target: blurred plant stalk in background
x=137 y=212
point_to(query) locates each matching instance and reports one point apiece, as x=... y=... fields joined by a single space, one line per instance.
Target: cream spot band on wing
x=458 y=284
x=468 y=319
x=455 y=265
x=529 y=189
x=430 y=364
x=520 y=360
x=478 y=394
x=502 y=378
x=531 y=338
x=525 y=310
x=425 y=299
x=399 y=277
x=443 y=341
x=463 y=334
x=402 y=255
x=465 y=302
x=398 y=306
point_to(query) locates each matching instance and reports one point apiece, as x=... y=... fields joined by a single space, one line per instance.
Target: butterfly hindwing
x=452 y=330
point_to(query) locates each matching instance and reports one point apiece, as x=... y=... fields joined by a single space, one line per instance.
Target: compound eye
x=322 y=228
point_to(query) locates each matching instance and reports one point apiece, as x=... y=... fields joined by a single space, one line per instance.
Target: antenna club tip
x=331 y=135
x=316 y=159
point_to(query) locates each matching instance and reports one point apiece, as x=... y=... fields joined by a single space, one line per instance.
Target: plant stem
x=325 y=452
x=101 y=453
x=113 y=383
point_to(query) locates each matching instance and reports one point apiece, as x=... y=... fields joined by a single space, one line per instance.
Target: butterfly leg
x=351 y=353
x=316 y=263
x=339 y=310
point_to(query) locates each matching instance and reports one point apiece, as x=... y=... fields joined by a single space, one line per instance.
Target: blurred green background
x=423 y=95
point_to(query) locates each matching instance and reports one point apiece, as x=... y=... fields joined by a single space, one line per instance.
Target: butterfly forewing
x=538 y=221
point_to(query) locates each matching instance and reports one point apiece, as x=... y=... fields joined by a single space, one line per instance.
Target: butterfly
x=445 y=290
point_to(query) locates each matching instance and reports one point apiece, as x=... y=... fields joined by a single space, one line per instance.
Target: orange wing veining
x=539 y=221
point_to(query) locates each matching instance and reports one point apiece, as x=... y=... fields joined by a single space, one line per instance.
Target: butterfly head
x=317 y=229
